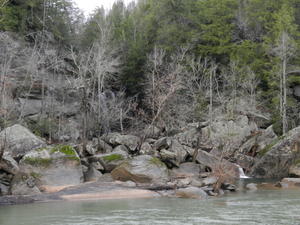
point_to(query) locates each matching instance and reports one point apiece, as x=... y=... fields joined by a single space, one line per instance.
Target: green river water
x=261 y=207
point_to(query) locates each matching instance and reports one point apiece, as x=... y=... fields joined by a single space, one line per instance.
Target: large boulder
x=277 y=158
x=111 y=160
x=130 y=141
x=142 y=169
x=18 y=140
x=217 y=164
x=53 y=166
x=258 y=142
x=226 y=136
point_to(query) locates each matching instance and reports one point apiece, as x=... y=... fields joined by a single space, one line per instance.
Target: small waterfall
x=242 y=174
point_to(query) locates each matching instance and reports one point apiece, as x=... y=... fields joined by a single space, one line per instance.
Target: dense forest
x=155 y=62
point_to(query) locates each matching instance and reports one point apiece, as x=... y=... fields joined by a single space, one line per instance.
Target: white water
x=242 y=174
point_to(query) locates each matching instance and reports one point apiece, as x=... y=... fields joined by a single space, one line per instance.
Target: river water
x=261 y=207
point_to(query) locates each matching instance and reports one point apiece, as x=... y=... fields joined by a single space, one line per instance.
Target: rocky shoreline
x=199 y=161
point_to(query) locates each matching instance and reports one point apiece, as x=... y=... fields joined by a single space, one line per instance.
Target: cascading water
x=241 y=171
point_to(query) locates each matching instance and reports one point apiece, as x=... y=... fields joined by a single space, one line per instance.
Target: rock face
x=279 y=157
x=228 y=136
x=55 y=166
x=19 y=140
x=142 y=169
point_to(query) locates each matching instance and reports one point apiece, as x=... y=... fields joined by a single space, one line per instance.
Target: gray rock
x=162 y=143
x=277 y=158
x=8 y=164
x=226 y=137
x=110 y=161
x=210 y=180
x=291 y=182
x=188 y=169
x=92 y=174
x=259 y=140
x=191 y=192
x=4 y=189
x=142 y=169
x=251 y=187
x=152 y=132
x=53 y=166
x=24 y=184
x=130 y=141
x=190 y=137
x=19 y=140
x=146 y=149
x=216 y=164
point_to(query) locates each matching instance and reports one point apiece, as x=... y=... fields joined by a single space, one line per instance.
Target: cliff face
x=38 y=89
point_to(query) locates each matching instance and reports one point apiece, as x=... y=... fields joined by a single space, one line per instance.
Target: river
x=260 y=207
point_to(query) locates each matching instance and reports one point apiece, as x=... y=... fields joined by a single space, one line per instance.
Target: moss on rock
x=113 y=157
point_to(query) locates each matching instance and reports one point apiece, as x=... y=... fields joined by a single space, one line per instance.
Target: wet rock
x=19 y=140
x=251 y=187
x=291 y=182
x=228 y=187
x=191 y=192
x=142 y=169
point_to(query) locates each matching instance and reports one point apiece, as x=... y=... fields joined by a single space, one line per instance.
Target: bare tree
x=164 y=80
x=284 y=49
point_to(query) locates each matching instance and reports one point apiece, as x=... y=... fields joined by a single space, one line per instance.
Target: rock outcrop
x=278 y=157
